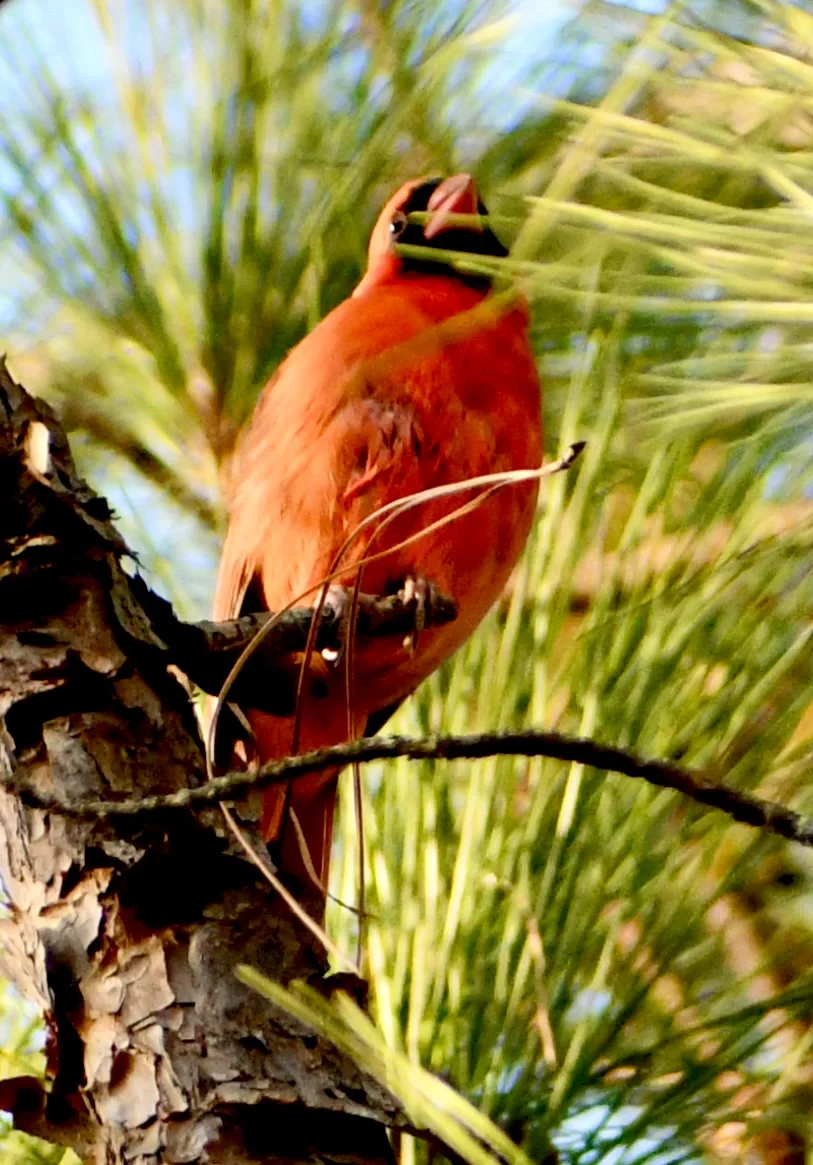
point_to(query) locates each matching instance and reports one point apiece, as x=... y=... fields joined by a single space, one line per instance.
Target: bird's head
x=441 y=200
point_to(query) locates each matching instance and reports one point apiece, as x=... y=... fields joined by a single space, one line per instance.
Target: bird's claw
x=339 y=601
x=421 y=594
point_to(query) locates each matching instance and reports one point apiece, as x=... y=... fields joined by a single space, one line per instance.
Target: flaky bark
x=126 y=931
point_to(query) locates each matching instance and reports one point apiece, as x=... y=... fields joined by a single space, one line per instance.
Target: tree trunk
x=126 y=931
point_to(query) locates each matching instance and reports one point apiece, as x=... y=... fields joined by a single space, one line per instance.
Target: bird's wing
x=335 y=435
x=366 y=411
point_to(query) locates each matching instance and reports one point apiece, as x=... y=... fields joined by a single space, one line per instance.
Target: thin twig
x=384 y=515
x=737 y=804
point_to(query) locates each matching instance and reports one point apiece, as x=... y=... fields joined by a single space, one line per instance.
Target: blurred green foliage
x=596 y=965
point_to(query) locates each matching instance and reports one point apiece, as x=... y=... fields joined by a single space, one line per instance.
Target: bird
x=421 y=378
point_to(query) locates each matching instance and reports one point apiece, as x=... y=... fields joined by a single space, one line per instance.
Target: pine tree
x=598 y=965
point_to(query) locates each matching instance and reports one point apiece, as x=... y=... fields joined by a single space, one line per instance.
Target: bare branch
x=736 y=803
x=206 y=651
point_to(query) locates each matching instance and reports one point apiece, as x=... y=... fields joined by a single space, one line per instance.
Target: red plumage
x=415 y=381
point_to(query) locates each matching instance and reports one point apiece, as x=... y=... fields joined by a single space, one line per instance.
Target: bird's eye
x=398 y=224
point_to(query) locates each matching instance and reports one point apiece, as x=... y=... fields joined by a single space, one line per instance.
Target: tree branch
x=207 y=651
x=739 y=805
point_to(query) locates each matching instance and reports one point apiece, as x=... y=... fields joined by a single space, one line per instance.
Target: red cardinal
x=401 y=388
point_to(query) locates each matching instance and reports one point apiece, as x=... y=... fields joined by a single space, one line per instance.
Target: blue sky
x=66 y=33
x=66 y=40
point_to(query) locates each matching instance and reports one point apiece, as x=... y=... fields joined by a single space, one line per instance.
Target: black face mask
x=471 y=242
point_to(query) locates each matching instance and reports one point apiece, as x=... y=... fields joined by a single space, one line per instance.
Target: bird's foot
x=339 y=602
x=422 y=595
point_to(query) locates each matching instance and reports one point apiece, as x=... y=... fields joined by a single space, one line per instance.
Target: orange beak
x=456 y=195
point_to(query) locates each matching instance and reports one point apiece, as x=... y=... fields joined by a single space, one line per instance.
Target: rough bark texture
x=126 y=931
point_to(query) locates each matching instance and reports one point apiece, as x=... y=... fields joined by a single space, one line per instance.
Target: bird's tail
x=297 y=823
x=297 y=819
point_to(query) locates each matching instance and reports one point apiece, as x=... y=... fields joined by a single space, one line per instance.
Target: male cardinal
x=401 y=388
